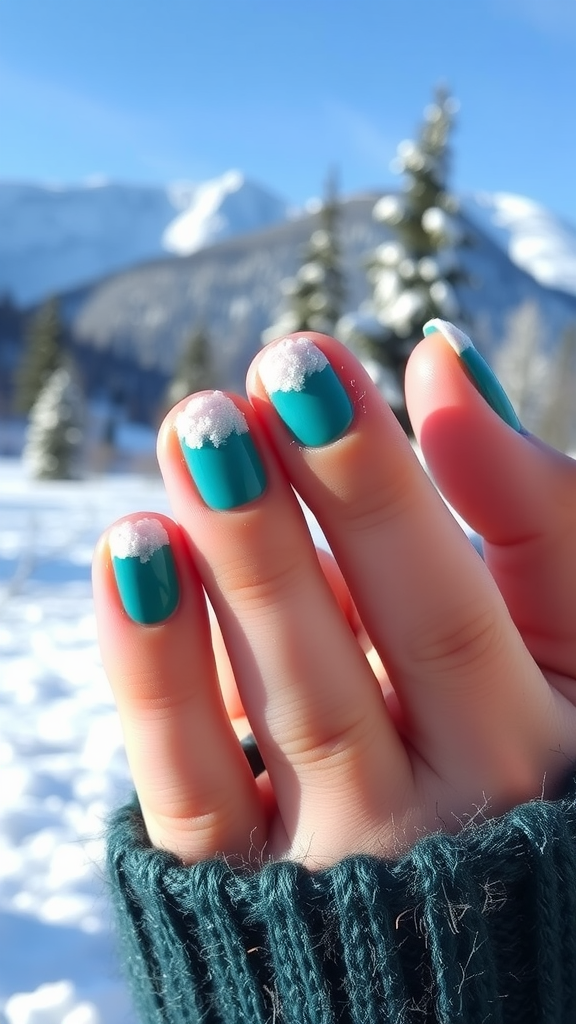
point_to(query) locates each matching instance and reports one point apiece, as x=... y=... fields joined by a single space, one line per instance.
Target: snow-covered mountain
x=56 y=238
x=53 y=239
x=534 y=238
x=138 y=268
x=130 y=328
x=226 y=206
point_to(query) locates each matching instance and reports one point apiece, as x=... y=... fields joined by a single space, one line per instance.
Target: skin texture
x=461 y=703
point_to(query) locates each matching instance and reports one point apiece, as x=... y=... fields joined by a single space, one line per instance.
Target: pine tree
x=195 y=371
x=313 y=298
x=43 y=355
x=55 y=429
x=412 y=276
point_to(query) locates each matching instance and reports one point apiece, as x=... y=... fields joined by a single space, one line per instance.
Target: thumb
x=515 y=491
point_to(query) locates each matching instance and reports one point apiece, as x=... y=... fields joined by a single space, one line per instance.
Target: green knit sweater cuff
x=478 y=927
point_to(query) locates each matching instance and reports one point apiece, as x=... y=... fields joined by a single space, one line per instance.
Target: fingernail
x=219 y=451
x=144 y=569
x=484 y=379
x=305 y=391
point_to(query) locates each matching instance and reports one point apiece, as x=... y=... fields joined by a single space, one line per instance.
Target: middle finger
x=467 y=686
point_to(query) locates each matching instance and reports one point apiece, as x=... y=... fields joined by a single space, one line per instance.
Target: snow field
x=62 y=764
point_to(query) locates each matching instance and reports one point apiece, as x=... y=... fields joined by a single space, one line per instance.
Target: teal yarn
x=478 y=927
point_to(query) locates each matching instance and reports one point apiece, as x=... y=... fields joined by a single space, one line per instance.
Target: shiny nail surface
x=144 y=569
x=305 y=391
x=482 y=376
x=219 y=451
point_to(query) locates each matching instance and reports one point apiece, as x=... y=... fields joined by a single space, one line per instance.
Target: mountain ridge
x=128 y=326
x=142 y=316
x=53 y=238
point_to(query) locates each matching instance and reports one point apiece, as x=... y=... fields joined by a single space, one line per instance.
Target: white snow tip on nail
x=209 y=417
x=286 y=364
x=455 y=337
x=139 y=539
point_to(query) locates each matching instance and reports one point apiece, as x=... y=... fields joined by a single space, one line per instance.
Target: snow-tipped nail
x=305 y=391
x=219 y=451
x=144 y=569
x=482 y=376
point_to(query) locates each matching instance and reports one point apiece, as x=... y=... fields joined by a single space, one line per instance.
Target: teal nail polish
x=305 y=391
x=219 y=451
x=484 y=379
x=145 y=571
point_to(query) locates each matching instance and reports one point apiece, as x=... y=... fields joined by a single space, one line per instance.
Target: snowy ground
x=62 y=767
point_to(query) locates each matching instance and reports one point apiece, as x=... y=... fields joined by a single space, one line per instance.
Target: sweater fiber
x=477 y=928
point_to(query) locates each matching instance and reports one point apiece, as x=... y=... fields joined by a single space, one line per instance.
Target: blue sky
x=157 y=90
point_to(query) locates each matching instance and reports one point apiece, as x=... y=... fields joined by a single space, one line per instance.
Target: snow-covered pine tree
x=313 y=298
x=195 y=371
x=43 y=355
x=412 y=276
x=55 y=433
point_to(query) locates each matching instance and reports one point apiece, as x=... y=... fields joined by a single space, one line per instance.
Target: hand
x=476 y=710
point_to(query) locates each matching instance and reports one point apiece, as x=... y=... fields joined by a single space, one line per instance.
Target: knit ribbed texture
x=478 y=928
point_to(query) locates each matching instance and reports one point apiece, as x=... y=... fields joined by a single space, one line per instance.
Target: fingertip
x=433 y=377
x=129 y=523
x=104 y=590
x=172 y=428
x=139 y=570
x=100 y=554
x=255 y=387
x=310 y=388
x=164 y=431
x=167 y=441
x=499 y=478
x=338 y=355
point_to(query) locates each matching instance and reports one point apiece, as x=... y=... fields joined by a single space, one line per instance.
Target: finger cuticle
x=145 y=570
x=305 y=391
x=219 y=451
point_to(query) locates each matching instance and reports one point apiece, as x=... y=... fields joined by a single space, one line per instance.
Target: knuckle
x=192 y=832
x=472 y=637
x=380 y=503
x=257 y=583
x=329 y=749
